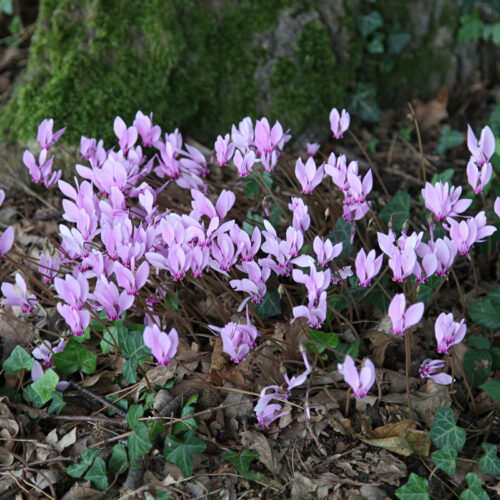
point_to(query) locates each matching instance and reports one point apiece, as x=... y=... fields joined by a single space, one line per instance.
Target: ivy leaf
x=188 y=423
x=427 y=289
x=270 y=305
x=342 y=233
x=479 y=342
x=97 y=474
x=446 y=460
x=417 y=488
x=445 y=432
x=471 y=28
x=7 y=7
x=485 y=313
x=398 y=209
x=252 y=184
x=138 y=443
x=327 y=339
x=475 y=488
x=134 y=413
x=477 y=364
x=397 y=41
x=363 y=102
x=18 y=360
x=241 y=461
x=490 y=463
x=57 y=403
x=181 y=453
x=450 y=138
x=32 y=397
x=133 y=349
x=75 y=357
x=46 y=385
x=88 y=456
x=118 y=459
x=444 y=176
x=492 y=388
x=376 y=46
x=369 y=23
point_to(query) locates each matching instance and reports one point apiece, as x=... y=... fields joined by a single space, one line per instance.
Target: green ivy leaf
x=7 y=7
x=475 y=490
x=342 y=233
x=397 y=41
x=88 y=456
x=485 y=312
x=492 y=388
x=477 y=364
x=138 y=443
x=57 y=403
x=181 y=453
x=327 y=339
x=97 y=474
x=134 y=413
x=490 y=463
x=189 y=423
x=132 y=348
x=32 y=397
x=376 y=46
x=363 y=102
x=241 y=461
x=270 y=305
x=444 y=176
x=445 y=432
x=425 y=290
x=446 y=460
x=252 y=184
x=118 y=459
x=397 y=210
x=479 y=342
x=471 y=28
x=75 y=357
x=417 y=488
x=450 y=138
x=46 y=385
x=369 y=23
x=18 y=360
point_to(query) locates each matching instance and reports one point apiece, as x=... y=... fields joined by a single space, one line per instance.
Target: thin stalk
x=407 y=374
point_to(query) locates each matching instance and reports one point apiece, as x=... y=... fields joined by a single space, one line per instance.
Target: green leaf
x=133 y=349
x=495 y=34
x=425 y=290
x=397 y=210
x=471 y=28
x=327 y=339
x=417 y=488
x=446 y=460
x=449 y=139
x=241 y=461
x=252 y=184
x=474 y=490
x=134 y=413
x=57 y=403
x=46 y=385
x=181 y=453
x=485 y=312
x=445 y=432
x=351 y=349
x=189 y=423
x=32 y=397
x=155 y=428
x=88 y=456
x=363 y=102
x=118 y=459
x=444 y=176
x=495 y=356
x=7 y=7
x=369 y=23
x=490 y=463
x=477 y=364
x=479 y=342
x=75 y=357
x=97 y=474
x=376 y=46
x=106 y=342
x=492 y=388
x=270 y=305
x=129 y=371
x=397 y=41
x=18 y=360
x=342 y=233
x=138 y=443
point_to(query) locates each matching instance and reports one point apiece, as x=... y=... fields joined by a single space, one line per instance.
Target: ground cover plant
x=195 y=310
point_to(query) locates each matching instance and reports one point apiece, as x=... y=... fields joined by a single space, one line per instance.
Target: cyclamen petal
x=163 y=345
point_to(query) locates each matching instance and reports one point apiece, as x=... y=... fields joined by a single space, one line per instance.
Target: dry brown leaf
x=79 y=492
x=430 y=114
x=221 y=368
x=257 y=441
x=303 y=487
x=15 y=331
x=379 y=343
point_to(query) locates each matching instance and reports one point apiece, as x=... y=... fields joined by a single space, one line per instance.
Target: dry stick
x=101 y=400
x=347 y=402
x=346 y=320
x=408 y=368
x=78 y=418
x=419 y=138
x=466 y=382
x=459 y=290
x=372 y=165
x=474 y=273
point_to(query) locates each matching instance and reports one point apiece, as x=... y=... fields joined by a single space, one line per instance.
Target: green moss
x=308 y=85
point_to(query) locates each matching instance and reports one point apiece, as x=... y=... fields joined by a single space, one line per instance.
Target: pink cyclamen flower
x=326 y=250
x=127 y=137
x=297 y=380
x=403 y=318
x=467 y=232
x=45 y=137
x=444 y=202
x=76 y=319
x=45 y=350
x=339 y=123
x=367 y=266
x=360 y=382
x=37 y=372
x=237 y=339
x=448 y=332
x=224 y=149
x=429 y=368
x=163 y=345
x=6 y=240
x=483 y=149
x=17 y=295
x=496 y=206
x=308 y=175
x=267 y=412
x=478 y=178
x=144 y=126
x=245 y=163
x=301 y=218
x=312 y=148
x=315 y=312
x=48 y=267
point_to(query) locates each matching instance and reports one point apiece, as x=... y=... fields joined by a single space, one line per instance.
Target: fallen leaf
x=257 y=441
x=430 y=114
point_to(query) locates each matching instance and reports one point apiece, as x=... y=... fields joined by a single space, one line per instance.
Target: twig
x=407 y=374
x=101 y=400
x=80 y=418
